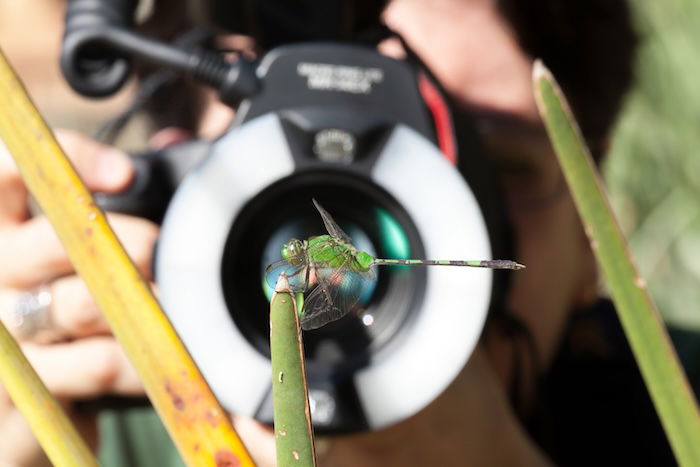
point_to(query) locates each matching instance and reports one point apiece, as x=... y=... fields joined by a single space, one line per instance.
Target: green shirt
x=135 y=437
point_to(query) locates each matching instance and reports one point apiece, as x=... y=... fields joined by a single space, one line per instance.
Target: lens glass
x=376 y=224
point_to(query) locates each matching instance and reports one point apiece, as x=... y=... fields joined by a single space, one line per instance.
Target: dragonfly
x=332 y=273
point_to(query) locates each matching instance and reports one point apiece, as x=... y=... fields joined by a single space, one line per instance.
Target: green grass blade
x=293 y=432
x=196 y=422
x=643 y=326
x=58 y=437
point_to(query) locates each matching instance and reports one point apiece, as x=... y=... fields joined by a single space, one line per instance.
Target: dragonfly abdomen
x=493 y=264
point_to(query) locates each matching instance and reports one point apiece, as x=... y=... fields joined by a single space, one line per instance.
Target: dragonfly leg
x=306 y=279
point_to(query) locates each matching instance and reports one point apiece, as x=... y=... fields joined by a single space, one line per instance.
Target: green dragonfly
x=332 y=273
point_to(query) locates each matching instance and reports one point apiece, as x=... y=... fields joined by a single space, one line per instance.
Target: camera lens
x=377 y=225
x=298 y=228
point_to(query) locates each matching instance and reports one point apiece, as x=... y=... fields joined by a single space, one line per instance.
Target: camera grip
x=146 y=196
x=157 y=176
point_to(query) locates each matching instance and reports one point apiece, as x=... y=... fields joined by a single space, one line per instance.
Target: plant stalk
x=199 y=427
x=646 y=333
x=56 y=433
x=293 y=430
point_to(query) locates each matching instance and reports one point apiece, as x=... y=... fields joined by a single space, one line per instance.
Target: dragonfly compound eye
x=291 y=249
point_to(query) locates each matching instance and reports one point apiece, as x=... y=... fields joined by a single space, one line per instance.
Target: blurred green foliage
x=653 y=168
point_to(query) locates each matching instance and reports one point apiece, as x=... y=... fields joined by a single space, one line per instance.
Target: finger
x=138 y=236
x=84 y=368
x=32 y=253
x=74 y=313
x=13 y=194
x=259 y=438
x=102 y=167
x=168 y=137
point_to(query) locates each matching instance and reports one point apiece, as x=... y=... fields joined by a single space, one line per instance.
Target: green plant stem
x=54 y=430
x=198 y=425
x=641 y=321
x=293 y=431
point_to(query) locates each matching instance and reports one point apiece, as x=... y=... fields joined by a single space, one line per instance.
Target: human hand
x=470 y=423
x=73 y=352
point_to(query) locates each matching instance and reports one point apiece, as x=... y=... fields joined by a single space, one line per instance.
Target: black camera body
x=372 y=139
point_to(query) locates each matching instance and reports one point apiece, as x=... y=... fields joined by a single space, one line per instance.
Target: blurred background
x=30 y=37
x=653 y=169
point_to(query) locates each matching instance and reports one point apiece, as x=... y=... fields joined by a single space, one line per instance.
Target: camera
x=375 y=142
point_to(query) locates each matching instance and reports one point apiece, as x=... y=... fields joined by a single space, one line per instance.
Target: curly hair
x=589 y=46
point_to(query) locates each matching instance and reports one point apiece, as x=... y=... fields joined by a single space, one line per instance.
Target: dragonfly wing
x=331 y=226
x=297 y=276
x=319 y=308
x=336 y=292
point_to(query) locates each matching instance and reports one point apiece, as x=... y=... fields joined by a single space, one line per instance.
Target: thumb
x=102 y=167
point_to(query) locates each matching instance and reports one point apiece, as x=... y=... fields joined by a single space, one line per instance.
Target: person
x=553 y=397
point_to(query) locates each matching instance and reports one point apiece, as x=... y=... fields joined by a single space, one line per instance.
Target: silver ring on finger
x=31 y=313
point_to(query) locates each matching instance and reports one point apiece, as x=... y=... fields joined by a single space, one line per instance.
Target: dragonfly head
x=292 y=251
